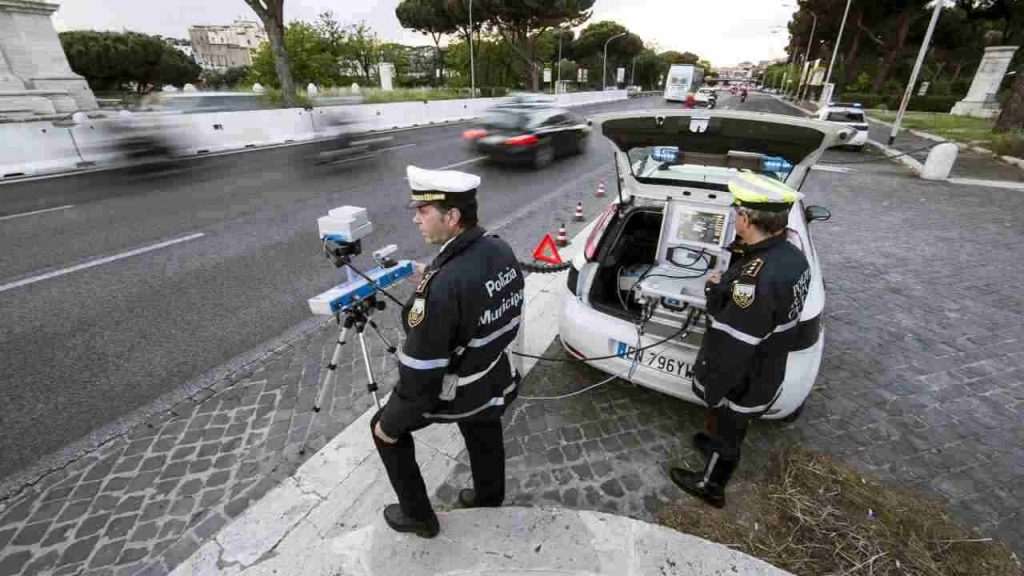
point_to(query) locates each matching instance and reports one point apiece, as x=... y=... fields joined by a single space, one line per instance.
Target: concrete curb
x=1018 y=162
x=900 y=157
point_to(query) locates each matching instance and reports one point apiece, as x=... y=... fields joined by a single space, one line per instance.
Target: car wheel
x=581 y=144
x=544 y=156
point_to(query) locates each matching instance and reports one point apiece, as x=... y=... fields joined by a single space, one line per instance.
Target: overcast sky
x=723 y=31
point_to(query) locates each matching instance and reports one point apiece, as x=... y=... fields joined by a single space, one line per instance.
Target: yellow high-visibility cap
x=762 y=193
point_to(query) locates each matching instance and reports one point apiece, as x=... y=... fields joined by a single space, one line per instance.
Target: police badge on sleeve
x=743 y=294
x=417 y=313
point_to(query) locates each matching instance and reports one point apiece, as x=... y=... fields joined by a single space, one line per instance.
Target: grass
x=959 y=128
x=809 y=514
x=377 y=96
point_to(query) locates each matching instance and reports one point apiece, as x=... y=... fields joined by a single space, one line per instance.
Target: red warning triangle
x=547 y=252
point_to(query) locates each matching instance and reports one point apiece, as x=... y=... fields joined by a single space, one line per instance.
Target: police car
x=847 y=114
x=634 y=294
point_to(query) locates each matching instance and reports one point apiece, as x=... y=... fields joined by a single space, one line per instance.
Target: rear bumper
x=860 y=138
x=590 y=333
x=511 y=154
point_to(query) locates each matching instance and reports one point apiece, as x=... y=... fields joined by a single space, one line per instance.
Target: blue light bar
x=344 y=295
x=665 y=153
x=775 y=164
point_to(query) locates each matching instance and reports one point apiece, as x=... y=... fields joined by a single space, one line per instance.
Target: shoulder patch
x=417 y=312
x=421 y=288
x=743 y=294
x=753 y=268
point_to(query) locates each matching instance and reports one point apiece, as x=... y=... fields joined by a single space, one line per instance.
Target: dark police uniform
x=753 y=316
x=454 y=365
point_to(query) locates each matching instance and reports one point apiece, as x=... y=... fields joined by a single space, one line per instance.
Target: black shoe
x=399 y=522
x=702 y=443
x=708 y=485
x=467 y=499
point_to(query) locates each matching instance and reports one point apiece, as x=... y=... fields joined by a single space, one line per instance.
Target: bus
x=683 y=79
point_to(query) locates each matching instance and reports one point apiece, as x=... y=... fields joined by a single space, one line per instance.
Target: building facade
x=223 y=47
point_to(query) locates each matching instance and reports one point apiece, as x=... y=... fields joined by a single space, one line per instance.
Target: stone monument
x=980 y=101
x=35 y=77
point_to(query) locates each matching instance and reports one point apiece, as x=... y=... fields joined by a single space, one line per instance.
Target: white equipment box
x=692 y=245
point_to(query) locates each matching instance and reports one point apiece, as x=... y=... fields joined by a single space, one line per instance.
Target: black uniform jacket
x=753 y=315
x=464 y=314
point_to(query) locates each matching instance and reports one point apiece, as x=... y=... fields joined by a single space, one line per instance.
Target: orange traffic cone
x=600 y=190
x=561 y=240
x=578 y=216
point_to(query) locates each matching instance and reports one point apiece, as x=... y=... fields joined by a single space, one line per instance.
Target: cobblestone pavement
x=922 y=382
x=145 y=502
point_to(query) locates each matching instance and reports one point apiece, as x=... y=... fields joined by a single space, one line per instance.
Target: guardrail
x=36 y=148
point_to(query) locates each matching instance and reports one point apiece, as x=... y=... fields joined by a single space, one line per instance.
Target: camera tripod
x=358 y=316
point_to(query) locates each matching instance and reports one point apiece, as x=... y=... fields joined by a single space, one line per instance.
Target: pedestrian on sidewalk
x=453 y=366
x=753 y=316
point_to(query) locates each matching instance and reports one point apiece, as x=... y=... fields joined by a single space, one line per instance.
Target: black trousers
x=486 y=448
x=727 y=429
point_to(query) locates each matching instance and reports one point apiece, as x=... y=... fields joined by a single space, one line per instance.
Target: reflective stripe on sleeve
x=499 y=401
x=485 y=340
x=741 y=336
x=417 y=364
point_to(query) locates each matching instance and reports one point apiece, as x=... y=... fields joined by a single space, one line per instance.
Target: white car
x=851 y=115
x=627 y=289
x=704 y=96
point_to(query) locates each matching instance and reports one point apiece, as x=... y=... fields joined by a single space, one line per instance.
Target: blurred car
x=625 y=291
x=528 y=133
x=847 y=114
x=633 y=91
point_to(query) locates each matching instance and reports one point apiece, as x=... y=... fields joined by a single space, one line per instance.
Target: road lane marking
x=464 y=162
x=12 y=216
x=92 y=263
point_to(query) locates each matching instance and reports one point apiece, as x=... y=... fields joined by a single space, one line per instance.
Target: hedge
x=892 y=102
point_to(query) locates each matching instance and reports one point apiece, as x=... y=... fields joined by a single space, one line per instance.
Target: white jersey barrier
x=33 y=148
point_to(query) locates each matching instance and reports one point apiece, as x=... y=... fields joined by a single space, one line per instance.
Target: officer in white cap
x=753 y=324
x=454 y=365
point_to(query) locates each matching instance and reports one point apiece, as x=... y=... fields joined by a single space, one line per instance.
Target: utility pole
x=917 y=69
x=472 y=68
x=804 y=82
x=839 y=38
x=604 y=72
x=559 y=73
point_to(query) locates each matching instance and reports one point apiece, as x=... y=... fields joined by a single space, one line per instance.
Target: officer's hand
x=379 y=433
x=715 y=277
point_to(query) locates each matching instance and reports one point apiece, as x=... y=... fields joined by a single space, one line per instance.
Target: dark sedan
x=533 y=134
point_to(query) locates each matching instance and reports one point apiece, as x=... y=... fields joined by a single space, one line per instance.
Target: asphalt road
x=161 y=277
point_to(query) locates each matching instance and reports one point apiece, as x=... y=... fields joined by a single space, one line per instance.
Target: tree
x=363 y=47
x=1012 y=116
x=231 y=78
x=310 y=59
x=672 y=57
x=127 y=60
x=520 y=22
x=427 y=17
x=271 y=13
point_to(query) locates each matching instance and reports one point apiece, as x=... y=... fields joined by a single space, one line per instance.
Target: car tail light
x=473 y=134
x=594 y=240
x=524 y=140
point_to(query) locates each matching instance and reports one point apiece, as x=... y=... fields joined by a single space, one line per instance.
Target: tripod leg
x=370 y=384
x=391 y=347
x=331 y=370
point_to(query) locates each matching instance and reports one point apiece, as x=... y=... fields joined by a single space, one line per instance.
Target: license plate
x=657 y=360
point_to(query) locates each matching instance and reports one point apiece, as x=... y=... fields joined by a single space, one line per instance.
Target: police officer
x=453 y=367
x=753 y=310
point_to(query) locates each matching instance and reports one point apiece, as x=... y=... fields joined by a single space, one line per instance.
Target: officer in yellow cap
x=753 y=312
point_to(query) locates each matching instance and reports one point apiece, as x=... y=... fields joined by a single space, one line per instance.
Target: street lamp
x=807 y=57
x=839 y=38
x=913 y=75
x=604 y=74
x=472 y=68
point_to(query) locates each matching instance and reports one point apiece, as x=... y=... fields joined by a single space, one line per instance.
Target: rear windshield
x=506 y=119
x=670 y=165
x=845 y=116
